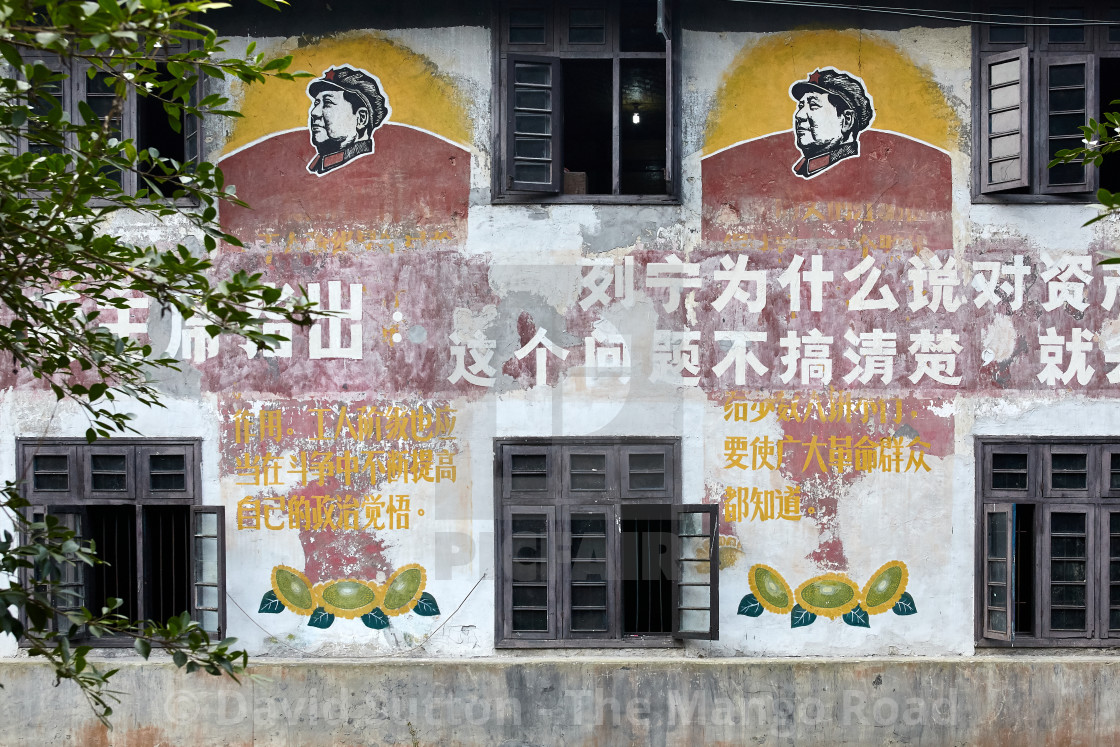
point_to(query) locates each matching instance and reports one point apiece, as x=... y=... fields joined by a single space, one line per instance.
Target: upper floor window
x=72 y=91
x=1036 y=85
x=585 y=110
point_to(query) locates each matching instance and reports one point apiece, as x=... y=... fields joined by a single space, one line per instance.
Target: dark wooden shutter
x=528 y=554
x=592 y=588
x=208 y=564
x=534 y=122
x=1004 y=128
x=997 y=608
x=1069 y=95
x=696 y=584
x=1069 y=579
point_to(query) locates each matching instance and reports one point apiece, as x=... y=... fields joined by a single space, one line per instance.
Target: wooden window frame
x=504 y=189
x=560 y=504
x=1097 y=501
x=1041 y=53
x=74 y=91
x=81 y=500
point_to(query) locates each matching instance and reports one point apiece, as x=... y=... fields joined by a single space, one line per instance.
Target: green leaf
x=749 y=606
x=800 y=617
x=320 y=618
x=375 y=619
x=143 y=647
x=905 y=605
x=270 y=604
x=857 y=618
x=426 y=606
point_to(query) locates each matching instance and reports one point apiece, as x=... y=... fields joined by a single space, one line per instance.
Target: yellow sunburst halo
x=885 y=587
x=830 y=595
x=770 y=589
x=348 y=597
x=294 y=590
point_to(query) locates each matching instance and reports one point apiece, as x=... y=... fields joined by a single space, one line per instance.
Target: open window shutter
x=696 y=585
x=69 y=592
x=998 y=580
x=208 y=563
x=1004 y=128
x=534 y=124
x=1069 y=96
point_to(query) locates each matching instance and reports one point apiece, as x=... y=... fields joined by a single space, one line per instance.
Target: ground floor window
x=138 y=502
x=595 y=546
x=1048 y=542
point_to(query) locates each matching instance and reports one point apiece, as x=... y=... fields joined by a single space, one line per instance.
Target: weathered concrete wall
x=1006 y=700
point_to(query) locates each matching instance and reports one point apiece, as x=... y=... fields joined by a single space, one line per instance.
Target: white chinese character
x=860 y=301
x=276 y=327
x=189 y=340
x=1065 y=281
x=936 y=356
x=985 y=280
x=601 y=275
x=674 y=275
x=605 y=350
x=734 y=274
x=816 y=277
x=941 y=280
x=124 y=326
x=877 y=350
x=676 y=357
x=334 y=348
x=1111 y=284
x=480 y=372
x=813 y=353
x=543 y=346
x=1051 y=348
x=739 y=355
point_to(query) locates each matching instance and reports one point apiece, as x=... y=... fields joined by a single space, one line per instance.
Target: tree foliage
x=67 y=172
x=1101 y=138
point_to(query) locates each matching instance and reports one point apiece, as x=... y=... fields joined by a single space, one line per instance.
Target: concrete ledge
x=989 y=700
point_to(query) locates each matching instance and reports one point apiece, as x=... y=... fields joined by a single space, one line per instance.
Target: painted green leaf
x=905 y=605
x=320 y=618
x=750 y=607
x=270 y=604
x=375 y=619
x=426 y=606
x=800 y=617
x=857 y=618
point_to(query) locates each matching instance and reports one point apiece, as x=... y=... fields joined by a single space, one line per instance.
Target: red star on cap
x=329 y=75
x=815 y=76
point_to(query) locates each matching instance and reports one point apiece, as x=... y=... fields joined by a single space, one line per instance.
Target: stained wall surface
x=826 y=339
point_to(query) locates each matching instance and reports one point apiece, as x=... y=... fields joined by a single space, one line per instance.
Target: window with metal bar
x=596 y=547
x=138 y=502
x=1048 y=542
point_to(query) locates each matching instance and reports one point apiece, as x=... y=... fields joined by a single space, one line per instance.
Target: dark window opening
x=1023 y=570
x=1067 y=32
x=647 y=570
x=588 y=121
x=1109 y=95
x=154 y=129
x=113 y=532
x=642 y=127
x=166 y=550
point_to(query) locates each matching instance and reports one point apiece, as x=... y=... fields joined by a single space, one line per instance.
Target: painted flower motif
x=830 y=595
x=885 y=587
x=403 y=590
x=293 y=589
x=770 y=589
x=348 y=598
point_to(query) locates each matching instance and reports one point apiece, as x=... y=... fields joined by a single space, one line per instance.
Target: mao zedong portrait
x=347 y=105
x=833 y=108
